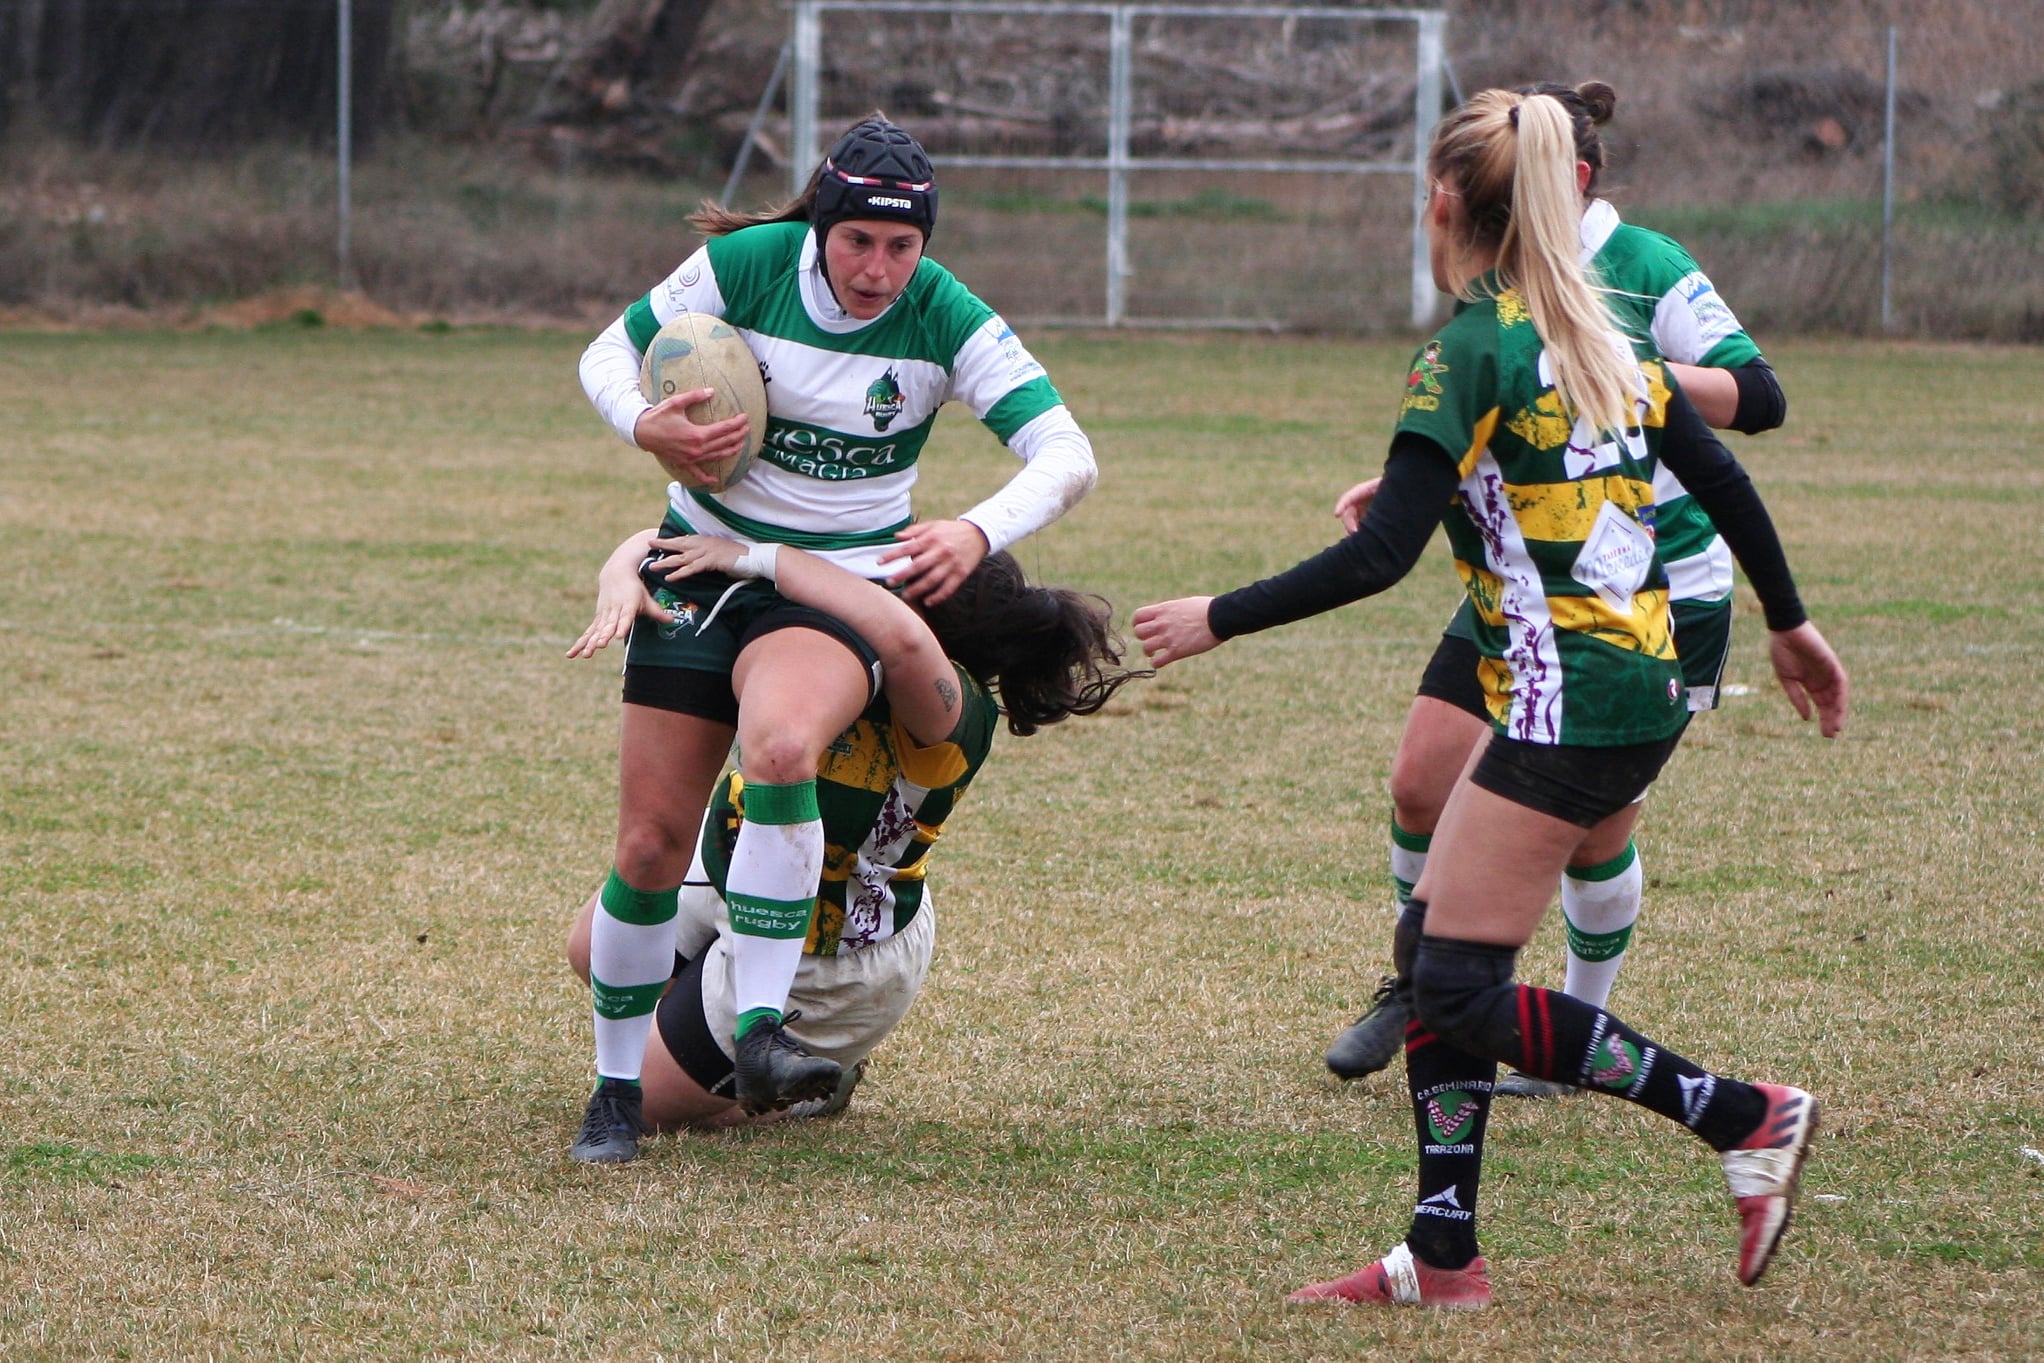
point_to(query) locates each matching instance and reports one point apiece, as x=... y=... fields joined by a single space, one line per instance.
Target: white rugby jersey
x=850 y=403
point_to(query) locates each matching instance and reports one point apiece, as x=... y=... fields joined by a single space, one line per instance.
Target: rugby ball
x=696 y=350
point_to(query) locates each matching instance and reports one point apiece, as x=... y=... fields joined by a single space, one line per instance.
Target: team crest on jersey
x=1422 y=385
x=883 y=400
x=1426 y=371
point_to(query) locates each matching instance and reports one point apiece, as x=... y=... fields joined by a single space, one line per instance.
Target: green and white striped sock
x=631 y=958
x=1408 y=859
x=1599 y=905
x=776 y=865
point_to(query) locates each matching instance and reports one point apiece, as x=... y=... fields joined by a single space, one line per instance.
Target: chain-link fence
x=1755 y=133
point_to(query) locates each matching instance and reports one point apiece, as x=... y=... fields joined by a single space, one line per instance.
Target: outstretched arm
x=620 y=597
x=1419 y=482
x=921 y=686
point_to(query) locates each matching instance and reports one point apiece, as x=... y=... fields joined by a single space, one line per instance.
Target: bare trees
x=191 y=73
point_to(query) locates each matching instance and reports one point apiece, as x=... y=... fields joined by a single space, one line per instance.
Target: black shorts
x=687 y=1032
x=1583 y=785
x=1451 y=675
x=686 y=666
x=1703 y=638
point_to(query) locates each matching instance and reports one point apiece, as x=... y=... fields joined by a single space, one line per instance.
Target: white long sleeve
x=1059 y=469
x=610 y=376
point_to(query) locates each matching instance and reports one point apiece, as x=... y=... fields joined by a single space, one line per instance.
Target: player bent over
x=998 y=646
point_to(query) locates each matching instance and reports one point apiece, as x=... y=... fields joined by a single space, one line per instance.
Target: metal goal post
x=1120 y=161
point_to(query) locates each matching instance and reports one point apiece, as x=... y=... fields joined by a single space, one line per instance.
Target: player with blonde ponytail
x=1528 y=430
x=1670 y=310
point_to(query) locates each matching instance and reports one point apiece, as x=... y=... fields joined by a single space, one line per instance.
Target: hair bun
x=1600 y=99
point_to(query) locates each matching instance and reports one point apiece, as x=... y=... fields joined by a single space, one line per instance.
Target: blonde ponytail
x=1541 y=256
x=1512 y=159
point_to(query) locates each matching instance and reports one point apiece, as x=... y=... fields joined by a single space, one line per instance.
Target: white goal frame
x=1428 y=67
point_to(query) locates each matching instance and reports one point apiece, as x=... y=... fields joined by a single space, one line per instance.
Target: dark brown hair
x=1590 y=106
x=712 y=219
x=1047 y=653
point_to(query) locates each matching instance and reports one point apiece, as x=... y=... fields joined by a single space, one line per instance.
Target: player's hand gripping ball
x=696 y=350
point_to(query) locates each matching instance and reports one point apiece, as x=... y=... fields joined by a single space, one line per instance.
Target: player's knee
x=778 y=758
x=1462 y=991
x=652 y=854
x=1418 y=795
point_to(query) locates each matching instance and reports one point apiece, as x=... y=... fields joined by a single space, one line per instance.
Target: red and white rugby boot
x=1762 y=1172
x=1399 y=1279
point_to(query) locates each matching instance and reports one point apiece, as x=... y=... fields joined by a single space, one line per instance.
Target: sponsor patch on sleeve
x=1021 y=365
x=1714 y=321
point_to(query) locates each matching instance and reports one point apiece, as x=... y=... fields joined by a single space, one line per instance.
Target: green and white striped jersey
x=1670 y=308
x=851 y=403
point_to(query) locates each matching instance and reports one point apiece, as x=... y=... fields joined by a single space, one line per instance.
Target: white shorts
x=848 y=1002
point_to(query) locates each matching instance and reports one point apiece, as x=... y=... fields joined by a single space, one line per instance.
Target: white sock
x=1599 y=905
x=771 y=892
x=1408 y=859
x=631 y=958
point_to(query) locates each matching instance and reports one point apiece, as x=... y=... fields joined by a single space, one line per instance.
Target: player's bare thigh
x=667 y=764
x=1437 y=743
x=1494 y=863
x=798 y=689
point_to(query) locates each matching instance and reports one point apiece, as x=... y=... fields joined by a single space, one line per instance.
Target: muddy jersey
x=1670 y=309
x=1553 y=535
x=883 y=802
x=850 y=404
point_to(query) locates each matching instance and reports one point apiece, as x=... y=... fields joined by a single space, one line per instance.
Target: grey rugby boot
x=611 y=1126
x=1374 y=1040
x=1518 y=1084
x=839 y=1099
x=773 y=1071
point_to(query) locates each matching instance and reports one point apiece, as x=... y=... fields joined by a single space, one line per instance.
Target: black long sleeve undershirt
x=1762 y=405
x=1694 y=454
x=1419 y=483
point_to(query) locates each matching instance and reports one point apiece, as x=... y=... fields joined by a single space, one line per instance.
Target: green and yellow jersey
x=1555 y=540
x=1670 y=310
x=884 y=801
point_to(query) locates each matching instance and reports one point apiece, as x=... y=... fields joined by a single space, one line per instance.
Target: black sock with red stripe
x=1464 y=991
x=1450 y=1109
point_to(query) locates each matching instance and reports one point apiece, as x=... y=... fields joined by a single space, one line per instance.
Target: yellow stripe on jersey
x=1645 y=629
x=1567 y=512
x=1484 y=587
x=1546 y=427
x=1496 y=680
x=1648 y=629
x=858 y=758
x=1657 y=393
x=1479 y=441
x=932 y=768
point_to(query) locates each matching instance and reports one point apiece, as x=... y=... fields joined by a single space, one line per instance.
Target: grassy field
x=297 y=794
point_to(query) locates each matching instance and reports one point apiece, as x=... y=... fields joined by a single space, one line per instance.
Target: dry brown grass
x=296 y=794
